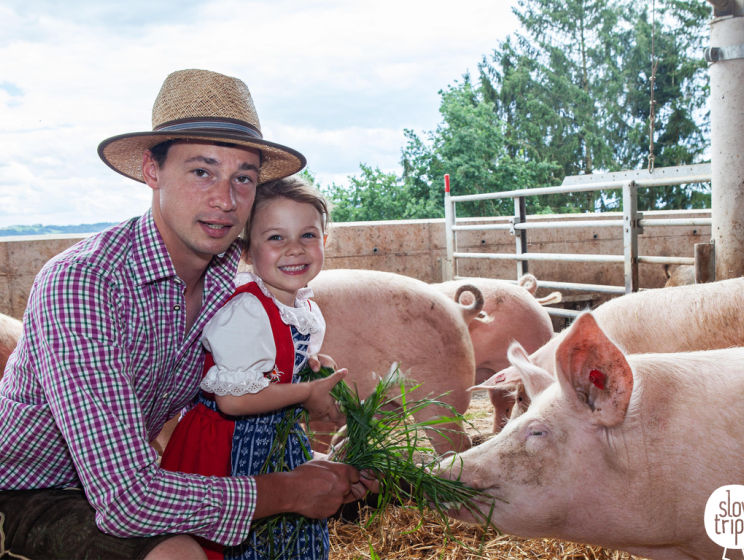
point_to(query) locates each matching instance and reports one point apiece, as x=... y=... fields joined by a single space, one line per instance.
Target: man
x=111 y=351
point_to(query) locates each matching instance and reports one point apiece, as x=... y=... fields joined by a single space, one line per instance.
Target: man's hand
x=320 y=404
x=315 y=489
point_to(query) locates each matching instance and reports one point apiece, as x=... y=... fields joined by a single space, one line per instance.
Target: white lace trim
x=300 y=316
x=223 y=387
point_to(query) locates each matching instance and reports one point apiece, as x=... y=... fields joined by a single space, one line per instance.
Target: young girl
x=256 y=344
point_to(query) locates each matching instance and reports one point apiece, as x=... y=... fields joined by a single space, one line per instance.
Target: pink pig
x=617 y=451
x=514 y=314
x=679 y=319
x=375 y=319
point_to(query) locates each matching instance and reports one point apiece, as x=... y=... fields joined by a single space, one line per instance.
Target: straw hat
x=201 y=105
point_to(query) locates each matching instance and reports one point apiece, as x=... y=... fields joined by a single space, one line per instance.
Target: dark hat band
x=210 y=125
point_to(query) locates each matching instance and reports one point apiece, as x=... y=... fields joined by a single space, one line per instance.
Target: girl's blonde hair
x=294 y=188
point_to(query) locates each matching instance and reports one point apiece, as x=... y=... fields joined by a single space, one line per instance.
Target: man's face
x=202 y=197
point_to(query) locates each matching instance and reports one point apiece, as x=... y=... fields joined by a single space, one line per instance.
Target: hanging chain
x=652 y=112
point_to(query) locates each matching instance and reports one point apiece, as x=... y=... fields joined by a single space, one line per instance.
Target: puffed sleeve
x=242 y=344
x=316 y=338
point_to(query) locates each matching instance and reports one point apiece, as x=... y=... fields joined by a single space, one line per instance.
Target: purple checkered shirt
x=103 y=363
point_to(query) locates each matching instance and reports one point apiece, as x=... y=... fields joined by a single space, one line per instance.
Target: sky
x=338 y=80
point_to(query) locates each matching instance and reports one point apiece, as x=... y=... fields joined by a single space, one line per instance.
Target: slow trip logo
x=724 y=517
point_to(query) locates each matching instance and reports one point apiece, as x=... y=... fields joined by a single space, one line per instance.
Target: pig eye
x=536 y=432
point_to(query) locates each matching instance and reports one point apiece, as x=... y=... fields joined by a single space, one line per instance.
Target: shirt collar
x=151 y=261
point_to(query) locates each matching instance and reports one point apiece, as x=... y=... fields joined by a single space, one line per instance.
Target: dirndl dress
x=254 y=340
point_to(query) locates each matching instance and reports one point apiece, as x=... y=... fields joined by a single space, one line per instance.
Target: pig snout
x=452 y=468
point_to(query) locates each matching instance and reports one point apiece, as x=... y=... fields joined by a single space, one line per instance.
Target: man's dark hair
x=160 y=151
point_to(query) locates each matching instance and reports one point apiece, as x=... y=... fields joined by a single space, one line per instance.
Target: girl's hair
x=294 y=188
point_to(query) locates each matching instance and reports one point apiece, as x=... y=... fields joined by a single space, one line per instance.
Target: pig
x=10 y=333
x=516 y=315
x=377 y=318
x=620 y=451
x=682 y=276
x=680 y=319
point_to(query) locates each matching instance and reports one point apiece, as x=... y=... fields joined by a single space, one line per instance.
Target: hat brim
x=123 y=153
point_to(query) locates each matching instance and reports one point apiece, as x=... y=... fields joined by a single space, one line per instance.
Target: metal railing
x=632 y=223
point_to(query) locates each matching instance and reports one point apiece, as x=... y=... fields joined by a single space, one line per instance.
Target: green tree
x=574 y=88
x=374 y=195
x=568 y=95
x=469 y=145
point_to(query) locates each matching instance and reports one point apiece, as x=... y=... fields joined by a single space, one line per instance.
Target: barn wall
x=415 y=248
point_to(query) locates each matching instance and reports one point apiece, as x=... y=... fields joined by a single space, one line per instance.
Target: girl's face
x=287 y=246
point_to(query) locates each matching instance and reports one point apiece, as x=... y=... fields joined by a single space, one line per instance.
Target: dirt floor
x=402 y=534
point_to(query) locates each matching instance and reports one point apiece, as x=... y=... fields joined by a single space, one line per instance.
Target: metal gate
x=632 y=223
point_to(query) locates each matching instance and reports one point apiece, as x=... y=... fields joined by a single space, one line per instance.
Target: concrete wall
x=415 y=248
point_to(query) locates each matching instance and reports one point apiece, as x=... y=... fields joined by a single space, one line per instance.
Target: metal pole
x=727 y=144
x=630 y=236
x=448 y=266
x=520 y=217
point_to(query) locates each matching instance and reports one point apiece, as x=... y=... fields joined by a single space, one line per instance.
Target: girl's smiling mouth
x=294 y=269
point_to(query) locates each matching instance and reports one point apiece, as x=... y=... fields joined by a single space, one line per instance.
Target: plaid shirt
x=103 y=363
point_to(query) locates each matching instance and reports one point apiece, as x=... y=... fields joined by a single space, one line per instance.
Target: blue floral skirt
x=287 y=537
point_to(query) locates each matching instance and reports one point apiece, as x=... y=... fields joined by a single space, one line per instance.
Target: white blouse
x=241 y=341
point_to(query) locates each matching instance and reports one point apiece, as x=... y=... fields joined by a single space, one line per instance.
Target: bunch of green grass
x=383 y=437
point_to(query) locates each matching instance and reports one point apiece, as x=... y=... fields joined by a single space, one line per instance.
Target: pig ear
x=534 y=378
x=589 y=365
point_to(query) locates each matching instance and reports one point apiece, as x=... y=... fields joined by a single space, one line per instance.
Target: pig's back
x=377 y=318
x=679 y=319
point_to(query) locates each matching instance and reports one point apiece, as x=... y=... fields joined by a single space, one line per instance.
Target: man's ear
x=150 y=170
x=591 y=367
x=534 y=378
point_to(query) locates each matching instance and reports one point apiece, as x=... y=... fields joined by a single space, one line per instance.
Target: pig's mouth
x=480 y=511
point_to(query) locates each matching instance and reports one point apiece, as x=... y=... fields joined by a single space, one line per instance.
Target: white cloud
x=338 y=81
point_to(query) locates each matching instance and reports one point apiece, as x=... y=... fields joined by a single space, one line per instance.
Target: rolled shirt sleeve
x=83 y=366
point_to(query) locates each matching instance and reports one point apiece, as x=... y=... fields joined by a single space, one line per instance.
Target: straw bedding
x=397 y=534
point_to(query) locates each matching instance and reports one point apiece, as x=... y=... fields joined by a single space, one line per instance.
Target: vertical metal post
x=705 y=263
x=630 y=236
x=448 y=266
x=727 y=141
x=520 y=235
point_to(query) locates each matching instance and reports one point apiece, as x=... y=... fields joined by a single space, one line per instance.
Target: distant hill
x=38 y=229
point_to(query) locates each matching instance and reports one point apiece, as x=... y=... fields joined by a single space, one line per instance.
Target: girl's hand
x=316 y=361
x=320 y=404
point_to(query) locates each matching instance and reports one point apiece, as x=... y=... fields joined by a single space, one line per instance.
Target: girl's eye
x=275 y=238
x=308 y=235
x=244 y=180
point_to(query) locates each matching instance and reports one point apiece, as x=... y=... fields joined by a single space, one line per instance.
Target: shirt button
x=176 y=307
x=166 y=395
